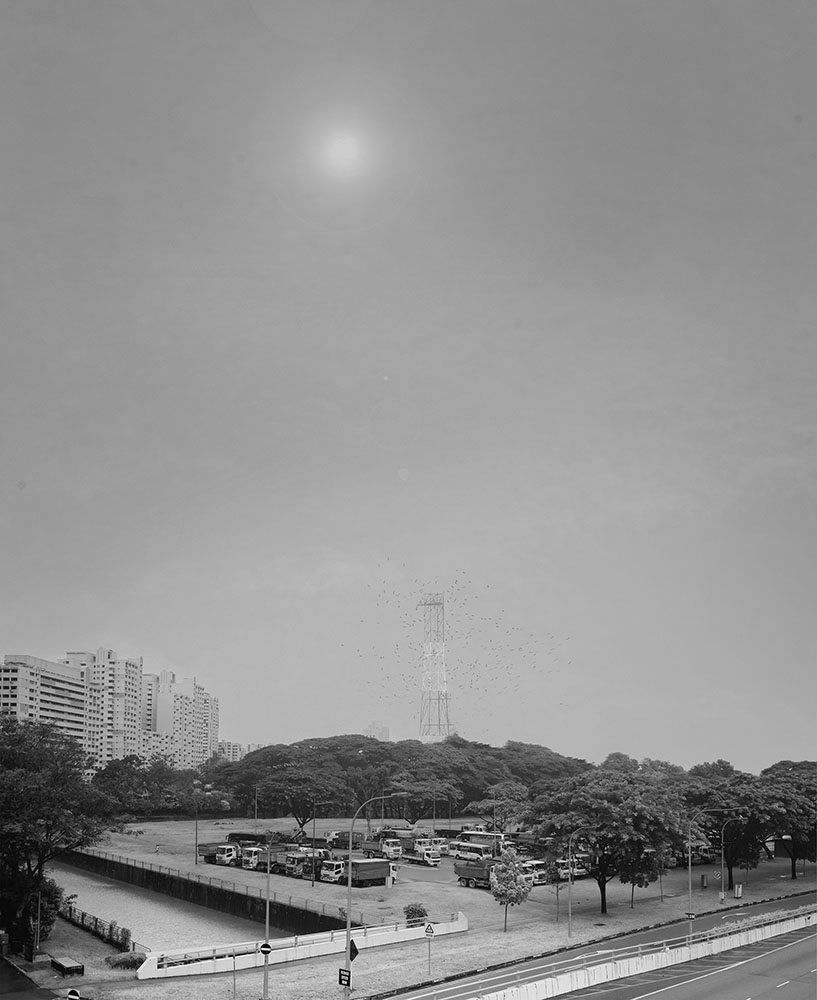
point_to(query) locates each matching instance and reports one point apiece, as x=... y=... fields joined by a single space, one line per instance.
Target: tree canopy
x=46 y=808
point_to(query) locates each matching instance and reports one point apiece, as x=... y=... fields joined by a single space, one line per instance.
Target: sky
x=310 y=309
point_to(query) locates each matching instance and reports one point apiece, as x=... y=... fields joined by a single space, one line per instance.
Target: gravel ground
x=533 y=928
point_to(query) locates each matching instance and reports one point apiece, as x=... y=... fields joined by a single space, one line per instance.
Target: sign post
x=429 y=935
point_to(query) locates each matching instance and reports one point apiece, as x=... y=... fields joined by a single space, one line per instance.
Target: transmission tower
x=434 y=721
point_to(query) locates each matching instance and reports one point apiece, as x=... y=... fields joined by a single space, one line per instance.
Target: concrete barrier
x=225 y=958
x=666 y=954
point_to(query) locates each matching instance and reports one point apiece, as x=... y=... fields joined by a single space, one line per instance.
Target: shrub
x=415 y=913
x=130 y=960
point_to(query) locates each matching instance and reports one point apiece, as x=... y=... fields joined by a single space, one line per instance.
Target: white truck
x=421 y=852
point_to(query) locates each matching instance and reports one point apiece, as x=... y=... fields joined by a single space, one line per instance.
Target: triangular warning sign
x=353 y=950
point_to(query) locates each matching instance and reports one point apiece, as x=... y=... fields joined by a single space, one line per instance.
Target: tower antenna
x=434 y=720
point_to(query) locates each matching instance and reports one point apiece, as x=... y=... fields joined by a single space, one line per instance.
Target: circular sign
x=73 y=995
x=265 y=949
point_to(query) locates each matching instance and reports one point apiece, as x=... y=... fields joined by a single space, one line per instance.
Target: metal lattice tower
x=434 y=721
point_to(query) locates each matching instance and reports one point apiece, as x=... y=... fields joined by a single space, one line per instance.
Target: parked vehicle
x=369 y=871
x=254 y=858
x=441 y=844
x=421 y=852
x=385 y=847
x=207 y=852
x=338 y=840
x=464 y=850
x=299 y=863
x=474 y=874
x=538 y=870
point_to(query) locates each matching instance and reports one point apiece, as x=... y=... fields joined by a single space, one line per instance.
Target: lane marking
x=726 y=968
x=782 y=984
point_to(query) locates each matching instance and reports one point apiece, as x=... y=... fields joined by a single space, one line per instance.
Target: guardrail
x=568 y=975
x=258 y=892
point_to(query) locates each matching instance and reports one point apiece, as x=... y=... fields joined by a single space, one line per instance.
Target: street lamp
x=266 y=922
x=581 y=829
x=734 y=819
x=347 y=990
x=701 y=812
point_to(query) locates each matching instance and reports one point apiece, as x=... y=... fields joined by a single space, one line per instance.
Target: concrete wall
x=225 y=958
x=238 y=904
x=605 y=972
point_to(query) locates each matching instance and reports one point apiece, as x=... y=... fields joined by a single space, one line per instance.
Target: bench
x=68 y=966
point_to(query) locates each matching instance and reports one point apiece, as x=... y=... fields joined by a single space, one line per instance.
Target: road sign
x=265 y=948
x=73 y=995
x=716 y=875
x=353 y=950
x=344 y=977
x=429 y=930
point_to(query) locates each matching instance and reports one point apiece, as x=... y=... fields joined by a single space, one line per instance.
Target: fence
x=111 y=932
x=240 y=888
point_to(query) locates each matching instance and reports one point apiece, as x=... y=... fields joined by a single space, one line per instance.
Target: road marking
x=783 y=984
x=717 y=972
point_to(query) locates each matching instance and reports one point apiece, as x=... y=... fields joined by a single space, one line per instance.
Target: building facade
x=112 y=707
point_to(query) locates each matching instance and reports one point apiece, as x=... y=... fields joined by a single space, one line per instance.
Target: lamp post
x=701 y=812
x=734 y=819
x=347 y=990
x=581 y=829
x=266 y=923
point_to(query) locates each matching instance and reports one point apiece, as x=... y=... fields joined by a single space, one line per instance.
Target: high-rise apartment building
x=112 y=707
x=36 y=690
x=113 y=703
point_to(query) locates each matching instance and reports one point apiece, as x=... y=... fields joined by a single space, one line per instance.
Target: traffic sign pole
x=429 y=934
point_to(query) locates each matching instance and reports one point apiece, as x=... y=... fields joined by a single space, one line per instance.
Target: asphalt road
x=490 y=981
x=783 y=967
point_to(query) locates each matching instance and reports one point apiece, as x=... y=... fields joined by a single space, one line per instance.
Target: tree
x=792 y=786
x=46 y=808
x=505 y=803
x=614 y=814
x=509 y=885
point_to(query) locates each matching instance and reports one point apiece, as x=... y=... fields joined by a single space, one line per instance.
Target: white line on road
x=783 y=984
x=717 y=972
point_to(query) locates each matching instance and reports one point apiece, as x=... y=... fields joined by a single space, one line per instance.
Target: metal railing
x=241 y=888
x=111 y=932
x=668 y=944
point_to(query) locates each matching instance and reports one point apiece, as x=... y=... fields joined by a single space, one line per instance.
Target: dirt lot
x=533 y=928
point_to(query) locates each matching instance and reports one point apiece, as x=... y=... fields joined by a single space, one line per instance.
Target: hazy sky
x=309 y=308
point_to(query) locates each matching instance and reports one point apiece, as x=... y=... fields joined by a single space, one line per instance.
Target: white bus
x=464 y=850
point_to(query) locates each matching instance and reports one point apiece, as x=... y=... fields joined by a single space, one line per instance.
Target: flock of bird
x=488 y=659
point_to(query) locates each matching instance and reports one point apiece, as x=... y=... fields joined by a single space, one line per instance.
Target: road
x=497 y=979
x=783 y=967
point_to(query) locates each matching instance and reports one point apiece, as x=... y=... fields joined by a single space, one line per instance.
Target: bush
x=130 y=960
x=415 y=913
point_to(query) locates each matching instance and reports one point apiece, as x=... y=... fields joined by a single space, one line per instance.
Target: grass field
x=538 y=926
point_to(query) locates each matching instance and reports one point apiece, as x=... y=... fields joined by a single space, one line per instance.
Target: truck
x=207 y=852
x=474 y=873
x=371 y=871
x=478 y=873
x=382 y=847
x=421 y=852
x=338 y=840
x=299 y=863
x=254 y=858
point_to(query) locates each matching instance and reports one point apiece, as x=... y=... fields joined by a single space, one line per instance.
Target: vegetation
x=508 y=883
x=415 y=913
x=46 y=808
x=628 y=818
